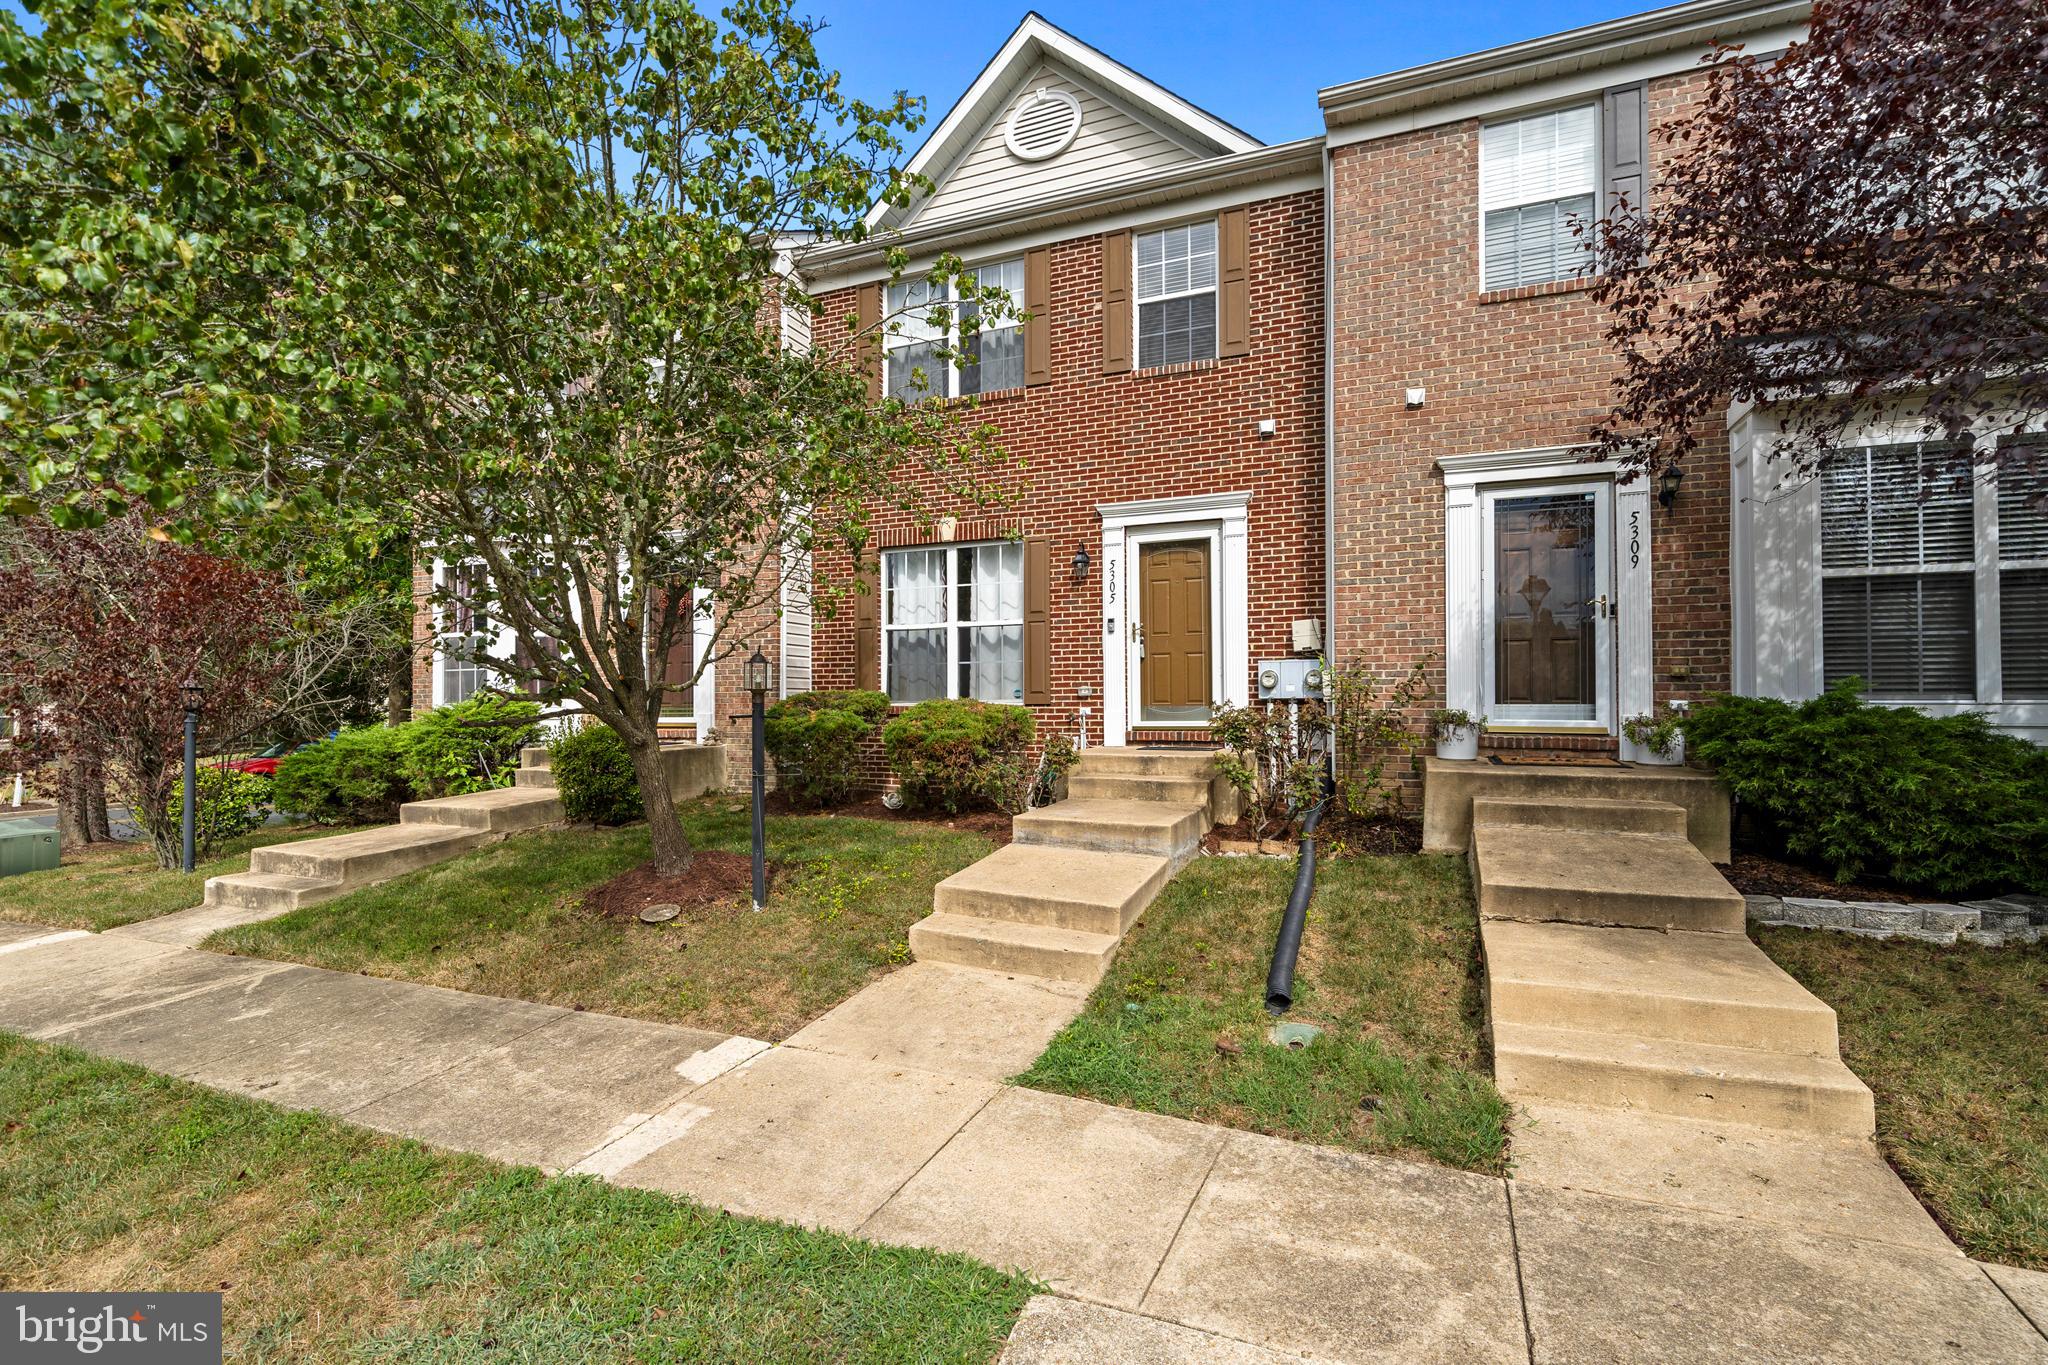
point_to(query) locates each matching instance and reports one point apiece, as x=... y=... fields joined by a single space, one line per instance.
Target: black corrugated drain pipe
x=1280 y=976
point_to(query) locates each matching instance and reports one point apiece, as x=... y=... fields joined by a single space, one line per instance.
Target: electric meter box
x=1290 y=679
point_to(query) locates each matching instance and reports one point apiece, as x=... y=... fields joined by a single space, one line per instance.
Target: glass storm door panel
x=1174 y=634
x=1548 y=606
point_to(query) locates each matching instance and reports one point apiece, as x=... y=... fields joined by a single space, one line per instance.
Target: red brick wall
x=1524 y=369
x=1088 y=438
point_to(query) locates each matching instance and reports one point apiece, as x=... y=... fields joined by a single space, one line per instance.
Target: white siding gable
x=1114 y=143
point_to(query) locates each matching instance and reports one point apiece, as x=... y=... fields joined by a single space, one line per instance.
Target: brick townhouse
x=1325 y=396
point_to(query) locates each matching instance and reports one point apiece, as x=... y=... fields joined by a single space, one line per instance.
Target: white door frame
x=1539 y=717
x=1225 y=519
x=1466 y=570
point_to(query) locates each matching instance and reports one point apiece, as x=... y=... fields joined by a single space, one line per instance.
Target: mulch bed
x=1336 y=836
x=1754 y=874
x=991 y=824
x=715 y=879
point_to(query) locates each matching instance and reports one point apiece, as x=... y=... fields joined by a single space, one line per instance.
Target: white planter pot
x=1643 y=753
x=1462 y=744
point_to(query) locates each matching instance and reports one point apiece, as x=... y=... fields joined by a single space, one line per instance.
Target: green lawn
x=1954 y=1042
x=507 y=920
x=112 y=884
x=331 y=1243
x=1388 y=968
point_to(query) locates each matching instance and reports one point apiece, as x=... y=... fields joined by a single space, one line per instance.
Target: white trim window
x=1934 y=577
x=466 y=636
x=1174 y=283
x=1537 y=175
x=990 y=359
x=953 y=622
x=2022 y=569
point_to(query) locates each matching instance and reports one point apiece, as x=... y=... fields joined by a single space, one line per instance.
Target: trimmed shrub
x=230 y=803
x=815 y=739
x=956 y=754
x=1934 y=803
x=357 y=777
x=472 y=746
x=594 y=777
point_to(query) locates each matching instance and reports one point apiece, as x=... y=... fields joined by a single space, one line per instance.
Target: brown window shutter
x=1038 y=621
x=1625 y=146
x=1038 y=302
x=867 y=629
x=1233 y=273
x=868 y=315
x=1116 y=302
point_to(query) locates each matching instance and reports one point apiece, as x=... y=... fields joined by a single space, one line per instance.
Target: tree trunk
x=98 y=828
x=74 y=816
x=672 y=852
x=398 y=696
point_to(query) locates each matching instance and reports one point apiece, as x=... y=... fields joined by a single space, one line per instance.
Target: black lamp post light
x=760 y=676
x=194 y=697
x=1667 y=485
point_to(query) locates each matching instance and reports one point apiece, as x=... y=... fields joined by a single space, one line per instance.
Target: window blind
x=2023 y=579
x=1536 y=175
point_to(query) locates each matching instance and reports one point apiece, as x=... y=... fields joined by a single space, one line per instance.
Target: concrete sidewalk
x=1166 y=1240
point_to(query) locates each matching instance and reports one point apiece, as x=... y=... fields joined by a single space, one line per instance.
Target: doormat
x=1557 y=760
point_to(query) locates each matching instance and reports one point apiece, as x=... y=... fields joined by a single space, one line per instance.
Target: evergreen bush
x=954 y=755
x=815 y=739
x=357 y=777
x=594 y=777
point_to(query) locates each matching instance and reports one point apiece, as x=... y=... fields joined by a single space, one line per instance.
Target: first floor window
x=953 y=622
x=1904 y=593
x=1175 y=279
x=674 y=670
x=466 y=635
x=1537 y=178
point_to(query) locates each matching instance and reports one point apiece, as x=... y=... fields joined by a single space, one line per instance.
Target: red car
x=265 y=763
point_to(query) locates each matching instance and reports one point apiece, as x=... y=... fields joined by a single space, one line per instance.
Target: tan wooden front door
x=1174 y=633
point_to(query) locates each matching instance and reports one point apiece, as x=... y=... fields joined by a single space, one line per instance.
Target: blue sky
x=1257 y=65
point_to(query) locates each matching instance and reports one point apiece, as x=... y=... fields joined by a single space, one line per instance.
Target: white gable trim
x=1033 y=42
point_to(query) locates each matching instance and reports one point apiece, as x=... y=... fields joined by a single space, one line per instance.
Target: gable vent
x=1043 y=124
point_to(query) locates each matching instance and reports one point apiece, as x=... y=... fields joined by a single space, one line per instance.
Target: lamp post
x=759 y=677
x=193 y=696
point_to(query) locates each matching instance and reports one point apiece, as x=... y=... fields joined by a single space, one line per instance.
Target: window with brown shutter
x=867 y=629
x=674 y=671
x=1038 y=303
x=1233 y=271
x=1116 y=302
x=1625 y=146
x=868 y=348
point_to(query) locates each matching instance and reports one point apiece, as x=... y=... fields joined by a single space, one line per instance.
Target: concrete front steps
x=1056 y=902
x=1589 y=875
x=283 y=877
x=1618 y=975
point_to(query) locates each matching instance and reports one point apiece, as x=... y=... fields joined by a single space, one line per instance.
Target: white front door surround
x=1223 y=519
x=1626 y=681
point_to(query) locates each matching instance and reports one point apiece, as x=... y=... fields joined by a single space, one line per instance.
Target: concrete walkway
x=1163 y=1239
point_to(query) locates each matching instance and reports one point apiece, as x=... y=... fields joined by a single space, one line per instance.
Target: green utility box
x=26 y=850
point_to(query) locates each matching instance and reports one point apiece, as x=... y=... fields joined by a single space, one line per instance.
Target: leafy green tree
x=510 y=274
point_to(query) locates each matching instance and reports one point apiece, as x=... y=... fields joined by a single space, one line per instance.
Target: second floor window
x=953 y=622
x=1536 y=176
x=1175 y=272
x=915 y=365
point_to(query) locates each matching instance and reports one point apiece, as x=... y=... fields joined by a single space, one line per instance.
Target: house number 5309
x=1635 y=538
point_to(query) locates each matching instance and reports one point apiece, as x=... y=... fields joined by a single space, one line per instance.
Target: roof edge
x=1669 y=27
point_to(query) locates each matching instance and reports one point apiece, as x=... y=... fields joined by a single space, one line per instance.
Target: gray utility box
x=26 y=850
x=1290 y=679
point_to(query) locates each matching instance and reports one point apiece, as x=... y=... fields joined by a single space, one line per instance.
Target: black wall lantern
x=1081 y=562
x=1667 y=485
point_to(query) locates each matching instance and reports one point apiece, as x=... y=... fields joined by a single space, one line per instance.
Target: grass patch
x=1950 y=1041
x=507 y=920
x=1388 y=968
x=105 y=885
x=332 y=1243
